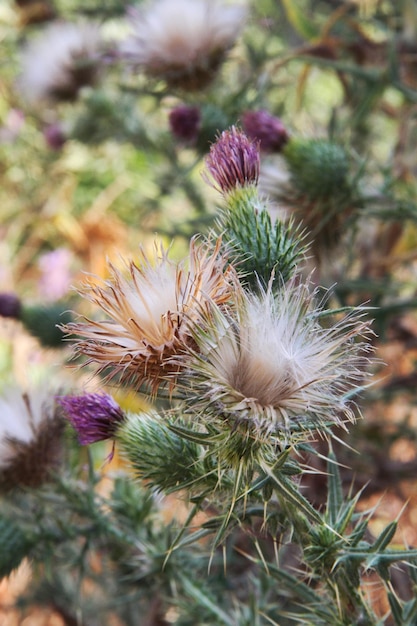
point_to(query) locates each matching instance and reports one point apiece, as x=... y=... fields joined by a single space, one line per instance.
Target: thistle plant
x=197 y=466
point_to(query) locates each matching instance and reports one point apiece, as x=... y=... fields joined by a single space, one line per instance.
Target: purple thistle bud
x=266 y=128
x=185 y=122
x=233 y=160
x=95 y=416
x=55 y=137
x=10 y=305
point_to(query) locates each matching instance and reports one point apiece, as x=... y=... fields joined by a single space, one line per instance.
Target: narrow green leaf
x=384 y=538
x=410 y=612
x=334 y=490
x=291 y=495
x=396 y=609
x=201 y=597
x=298 y=19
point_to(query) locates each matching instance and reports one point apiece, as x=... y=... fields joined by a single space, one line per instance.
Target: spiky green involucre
x=157 y=454
x=257 y=244
x=319 y=168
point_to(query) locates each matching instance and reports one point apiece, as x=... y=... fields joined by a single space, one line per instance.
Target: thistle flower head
x=272 y=367
x=95 y=416
x=31 y=429
x=61 y=61
x=233 y=161
x=149 y=314
x=269 y=130
x=183 y=41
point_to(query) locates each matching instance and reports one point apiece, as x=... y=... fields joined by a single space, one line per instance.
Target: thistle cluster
x=249 y=369
x=214 y=370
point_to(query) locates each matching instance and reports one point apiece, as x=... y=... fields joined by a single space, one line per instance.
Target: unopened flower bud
x=265 y=128
x=233 y=161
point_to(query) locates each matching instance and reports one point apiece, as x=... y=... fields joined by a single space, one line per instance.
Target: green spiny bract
x=319 y=168
x=15 y=545
x=159 y=455
x=258 y=245
x=42 y=322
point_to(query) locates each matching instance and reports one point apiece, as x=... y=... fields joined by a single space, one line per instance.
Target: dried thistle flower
x=233 y=161
x=31 y=430
x=183 y=41
x=269 y=130
x=95 y=416
x=61 y=61
x=270 y=366
x=150 y=313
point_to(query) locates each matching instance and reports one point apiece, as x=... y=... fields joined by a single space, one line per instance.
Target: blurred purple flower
x=55 y=279
x=12 y=126
x=185 y=122
x=265 y=128
x=54 y=136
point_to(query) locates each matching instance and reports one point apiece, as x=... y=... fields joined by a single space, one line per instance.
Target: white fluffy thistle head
x=183 y=41
x=149 y=313
x=64 y=58
x=269 y=365
x=31 y=430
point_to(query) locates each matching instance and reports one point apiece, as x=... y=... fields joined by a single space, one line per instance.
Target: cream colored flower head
x=31 y=429
x=183 y=41
x=60 y=61
x=149 y=313
x=271 y=365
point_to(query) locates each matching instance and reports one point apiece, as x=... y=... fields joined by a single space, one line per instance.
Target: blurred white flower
x=64 y=58
x=183 y=41
x=30 y=437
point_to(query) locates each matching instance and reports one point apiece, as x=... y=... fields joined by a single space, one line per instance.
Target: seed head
x=183 y=42
x=31 y=432
x=149 y=314
x=58 y=64
x=272 y=366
